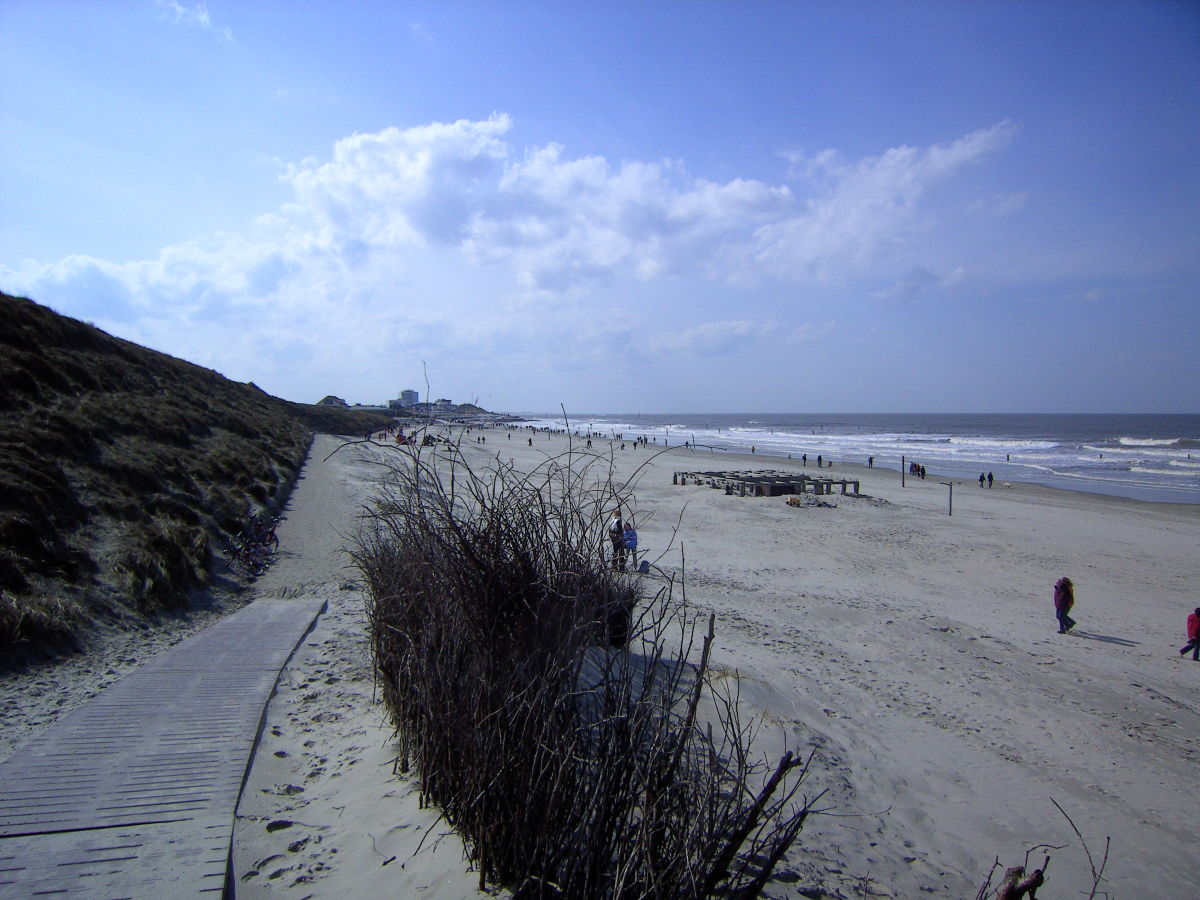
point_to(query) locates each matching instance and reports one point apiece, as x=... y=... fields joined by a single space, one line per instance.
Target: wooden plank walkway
x=133 y=794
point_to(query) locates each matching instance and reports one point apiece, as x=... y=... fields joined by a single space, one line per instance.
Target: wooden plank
x=169 y=859
x=132 y=789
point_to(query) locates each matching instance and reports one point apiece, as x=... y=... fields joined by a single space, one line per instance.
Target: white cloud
x=1001 y=204
x=712 y=338
x=918 y=281
x=859 y=209
x=405 y=240
x=195 y=15
x=811 y=332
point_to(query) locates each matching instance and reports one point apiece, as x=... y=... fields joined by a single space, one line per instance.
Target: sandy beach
x=915 y=652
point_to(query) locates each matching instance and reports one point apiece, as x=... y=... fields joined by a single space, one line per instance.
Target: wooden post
x=950 y=484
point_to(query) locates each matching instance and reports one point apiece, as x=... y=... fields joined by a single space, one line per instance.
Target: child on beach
x=1064 y=599
x=1193 y=633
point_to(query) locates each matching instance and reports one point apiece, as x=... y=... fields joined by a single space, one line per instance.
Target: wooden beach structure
x=767 y=482
x=133 y=794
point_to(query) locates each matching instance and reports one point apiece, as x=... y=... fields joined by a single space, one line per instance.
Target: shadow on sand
x=1105 y=638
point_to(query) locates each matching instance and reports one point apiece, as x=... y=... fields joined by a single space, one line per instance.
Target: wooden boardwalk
x=133 y=794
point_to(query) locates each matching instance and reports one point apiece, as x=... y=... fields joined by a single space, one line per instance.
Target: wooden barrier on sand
x=766 y=482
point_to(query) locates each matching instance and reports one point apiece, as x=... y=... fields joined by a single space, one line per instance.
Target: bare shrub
x=571 y=767
x=1018 y=881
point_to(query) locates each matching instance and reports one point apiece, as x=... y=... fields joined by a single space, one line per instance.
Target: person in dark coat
x=616 y=536
x=1064 y=599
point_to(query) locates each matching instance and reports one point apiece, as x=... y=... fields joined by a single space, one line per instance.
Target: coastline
x=916 y=651
x=1142 y=456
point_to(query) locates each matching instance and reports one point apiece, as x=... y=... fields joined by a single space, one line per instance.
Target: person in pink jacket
x=1193 y=627
x=1064 y=599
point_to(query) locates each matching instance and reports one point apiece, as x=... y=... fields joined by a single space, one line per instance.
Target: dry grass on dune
x=119 y=466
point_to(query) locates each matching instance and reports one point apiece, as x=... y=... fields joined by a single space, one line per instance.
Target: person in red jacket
x=1064 y=599
x=1193 y=626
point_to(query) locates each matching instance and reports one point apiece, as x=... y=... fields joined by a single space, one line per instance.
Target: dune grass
x=119 y=467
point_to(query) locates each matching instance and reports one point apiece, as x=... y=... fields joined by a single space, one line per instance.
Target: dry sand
x=915 y=652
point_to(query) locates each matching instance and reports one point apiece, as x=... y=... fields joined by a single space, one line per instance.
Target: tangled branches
x=548 y=708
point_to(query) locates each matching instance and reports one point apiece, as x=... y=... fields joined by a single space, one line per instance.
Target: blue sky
x=622 y=207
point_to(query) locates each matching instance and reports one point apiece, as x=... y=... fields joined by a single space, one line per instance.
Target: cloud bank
x=445 y=239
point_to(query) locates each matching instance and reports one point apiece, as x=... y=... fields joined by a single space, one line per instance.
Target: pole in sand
x=902 y=465
x=950 y=484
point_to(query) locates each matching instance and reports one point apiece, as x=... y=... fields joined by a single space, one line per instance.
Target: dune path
x=133 y=793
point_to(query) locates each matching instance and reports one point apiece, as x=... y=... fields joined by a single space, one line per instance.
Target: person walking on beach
x=629 y=536
x=616 y=536
x=982 y=479
x=1193 y=632
x=989 y=479
x=1064 y=599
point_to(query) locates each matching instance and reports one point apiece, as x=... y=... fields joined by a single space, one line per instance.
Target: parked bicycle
x=260 y=530
x=254 y=548
x=245 y=558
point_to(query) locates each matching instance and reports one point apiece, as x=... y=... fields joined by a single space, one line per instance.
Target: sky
x=621 y=206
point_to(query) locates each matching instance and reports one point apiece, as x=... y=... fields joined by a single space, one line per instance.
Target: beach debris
x=807 y=500
x=1017 y=884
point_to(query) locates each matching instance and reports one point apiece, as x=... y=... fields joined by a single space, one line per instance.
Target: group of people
x=1064 y=600
x=916 y=469
x=987 y=478
x=623 y=538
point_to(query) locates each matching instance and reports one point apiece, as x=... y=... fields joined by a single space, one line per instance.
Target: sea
x=1141 y=456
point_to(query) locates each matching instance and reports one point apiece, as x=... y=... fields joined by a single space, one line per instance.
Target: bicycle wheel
x=242 y=562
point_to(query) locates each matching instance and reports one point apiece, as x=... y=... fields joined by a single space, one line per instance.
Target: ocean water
x=1144 y=457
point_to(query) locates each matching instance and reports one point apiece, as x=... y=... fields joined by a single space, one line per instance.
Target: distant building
x=409 y=398
x=442 y=404
x=333 y=401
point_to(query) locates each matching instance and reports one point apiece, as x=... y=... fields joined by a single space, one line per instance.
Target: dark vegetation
x=568 y=734
x=119 y=467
